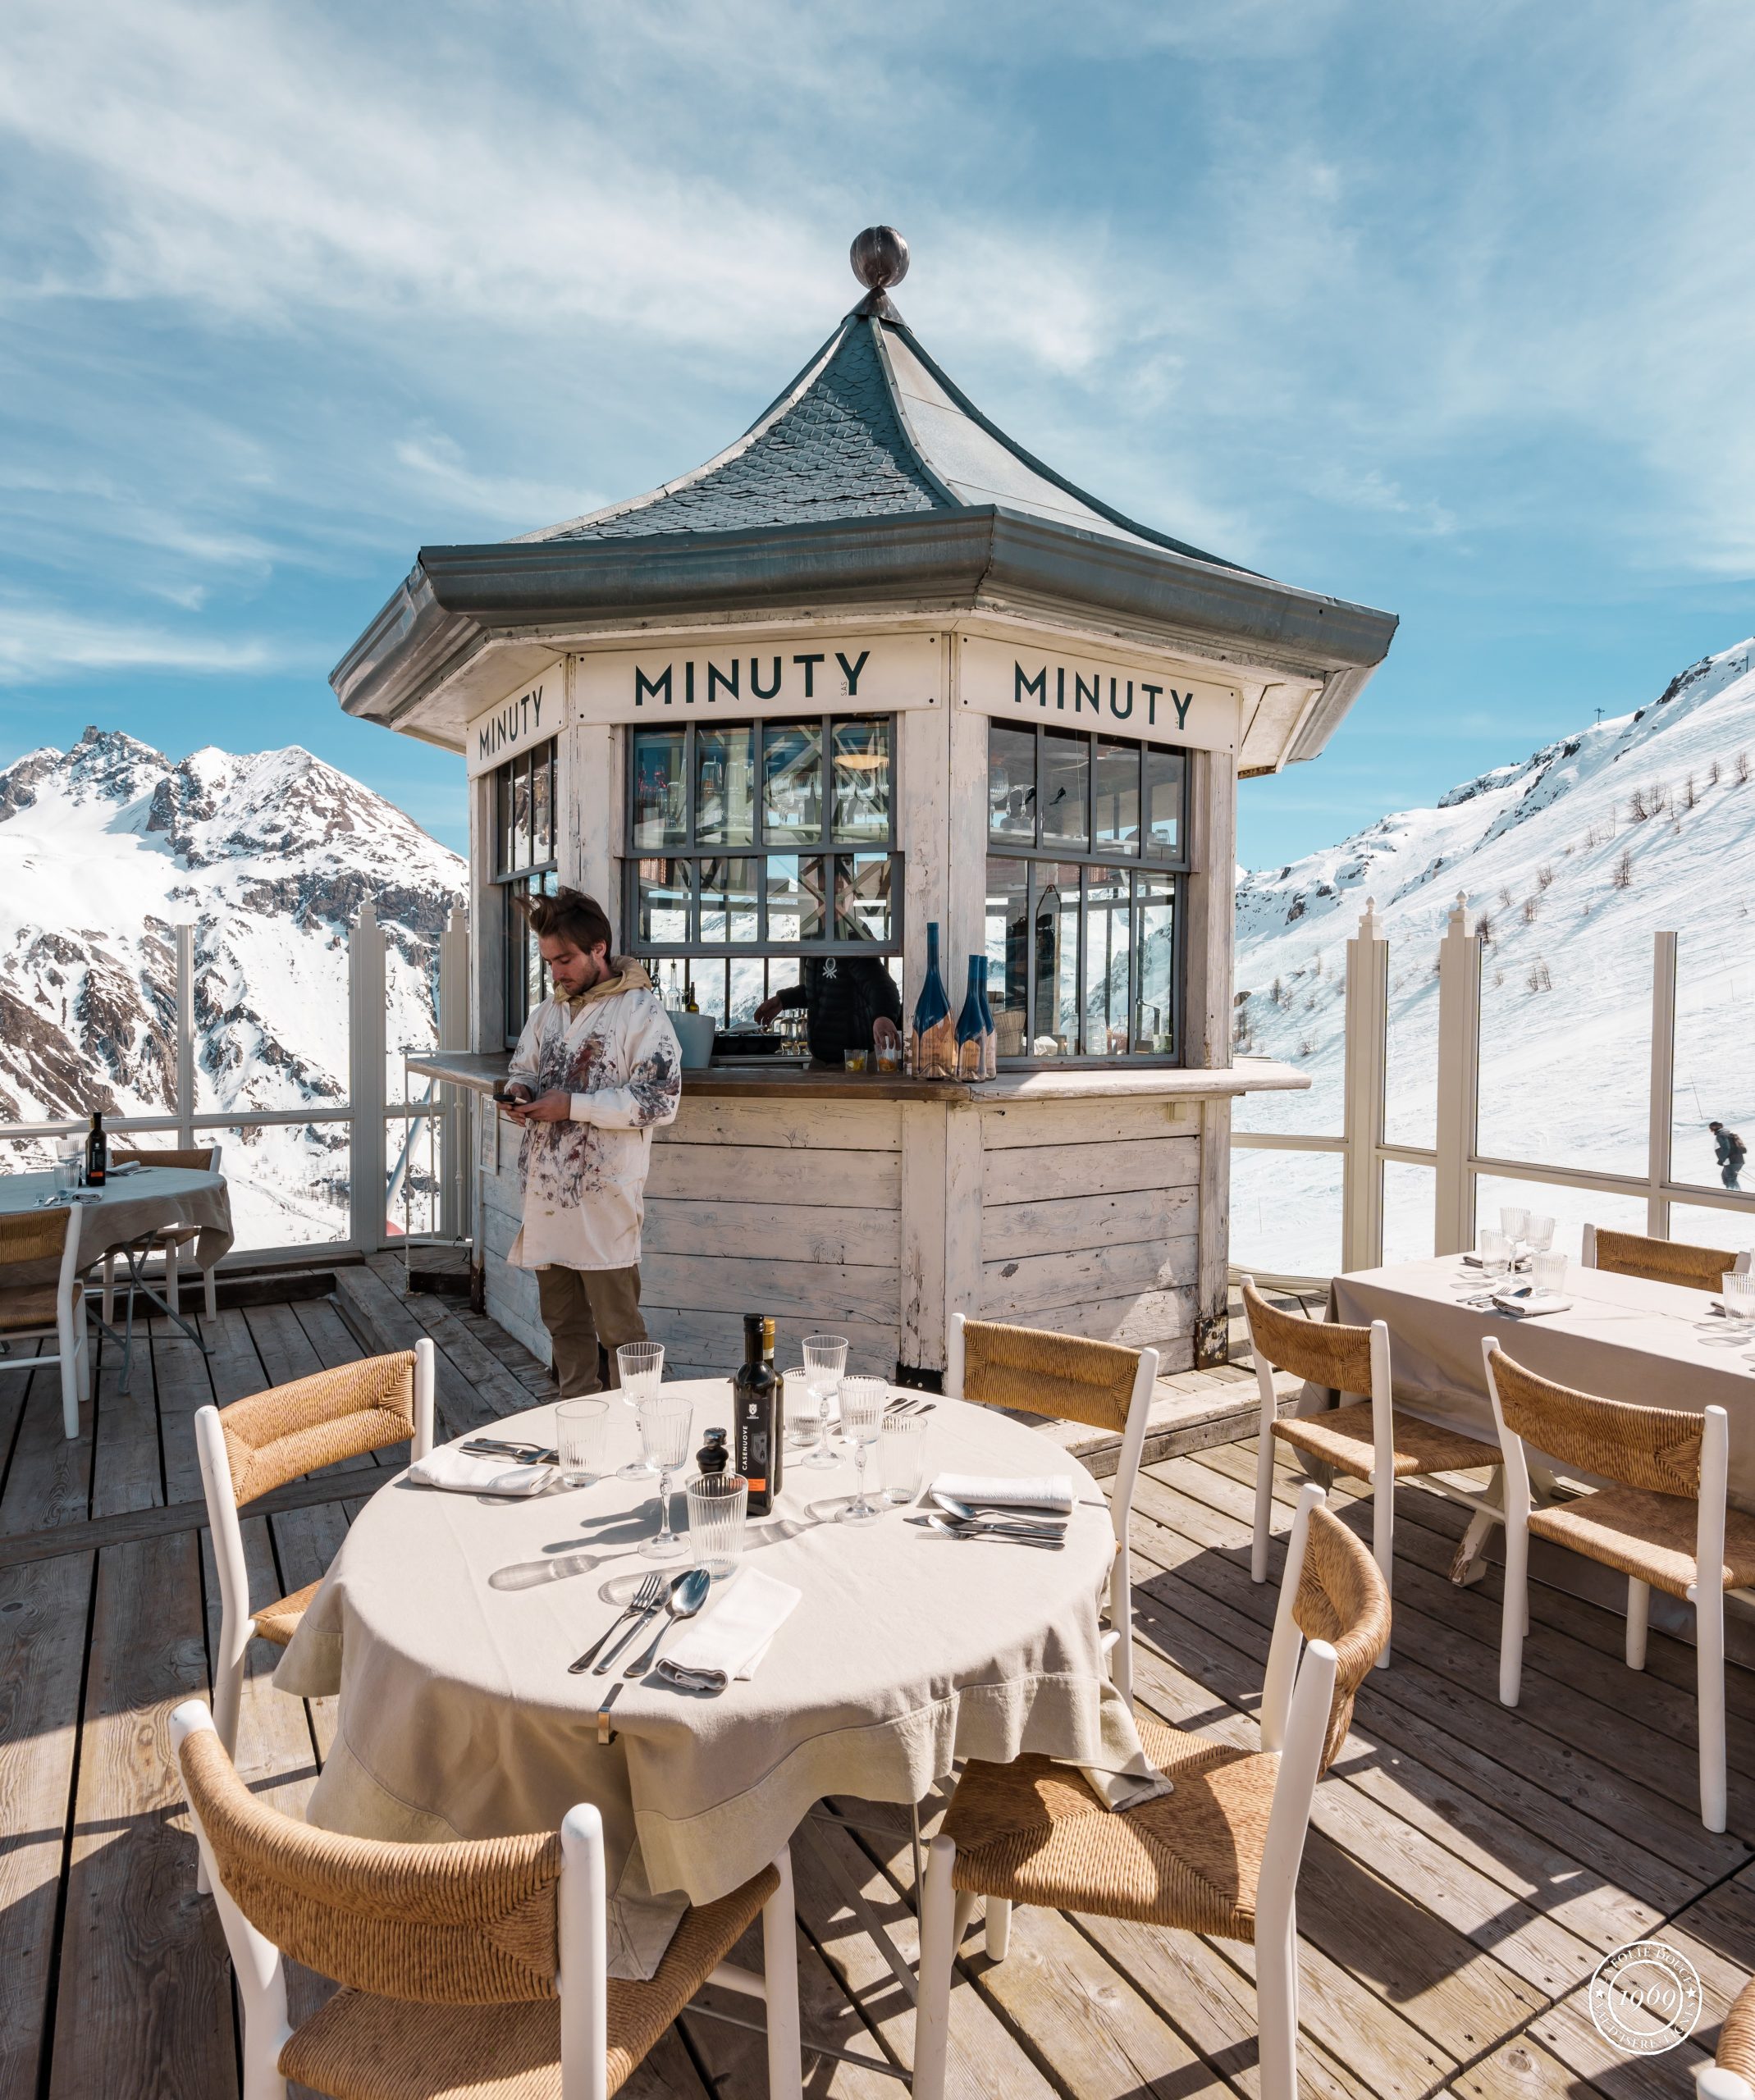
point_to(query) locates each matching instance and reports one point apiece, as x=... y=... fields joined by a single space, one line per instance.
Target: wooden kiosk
x=874 y=666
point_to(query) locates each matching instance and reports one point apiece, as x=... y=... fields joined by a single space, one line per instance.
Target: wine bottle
x=777 y=1443
x=970 y=1027
x=96 y=1152
x=753 y=1404
x=990 y=1039
x=934 y=1033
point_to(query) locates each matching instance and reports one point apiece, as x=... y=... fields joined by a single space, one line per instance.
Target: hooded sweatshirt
x=613 y=1050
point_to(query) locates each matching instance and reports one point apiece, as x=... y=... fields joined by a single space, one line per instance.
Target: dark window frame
x=522 y=969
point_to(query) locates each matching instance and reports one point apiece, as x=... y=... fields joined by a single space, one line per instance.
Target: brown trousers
x=582 y=1308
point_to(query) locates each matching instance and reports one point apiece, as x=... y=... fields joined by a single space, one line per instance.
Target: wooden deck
x=1468 y=1869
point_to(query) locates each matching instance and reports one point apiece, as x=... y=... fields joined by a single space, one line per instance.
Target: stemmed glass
x=824 y=1361
x=1538 y=1236
x=641 y=1368
x=1514 y=1222
x=862 y=1404
x=665 y=1425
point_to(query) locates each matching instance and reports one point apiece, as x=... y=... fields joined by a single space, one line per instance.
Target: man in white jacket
x=595 y=1068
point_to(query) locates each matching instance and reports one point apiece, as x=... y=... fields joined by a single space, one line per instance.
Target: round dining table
x=448 y=1620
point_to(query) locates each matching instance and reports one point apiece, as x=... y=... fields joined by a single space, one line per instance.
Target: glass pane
x=792 y=765
x=1285 y=1211
x=1012 y=784
x=659 y=789
x=1008 y=952
x=725 y=787
x=1299 y=1016
x=1411 y=1080
x=707 y=974
x=503 y=821
x=520 y=772
x=795 y=897
x=728 y=900
x=1155 y=1018
x=1701 y=1225
x=1066 y=788
x=1057 y=959
x=747 y=992
x=1165 y=773
x=542 y=805
x=1409 y=1194
x=1714 y=979
x=861 y=780
x=1109 y=914
x=664 y=903
x=288 y=1183
x=1570 y=1208
x=1117 y=792
x=862 y=896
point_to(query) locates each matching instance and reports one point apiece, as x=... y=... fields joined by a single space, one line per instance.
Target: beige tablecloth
x=447 y=1621
x=1627 y=1340
x=138 y=1204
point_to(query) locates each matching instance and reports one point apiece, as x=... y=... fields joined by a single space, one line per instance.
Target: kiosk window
x=1086 y=863
x=524 y=865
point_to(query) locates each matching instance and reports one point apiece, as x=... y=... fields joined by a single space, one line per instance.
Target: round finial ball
x=879 y=257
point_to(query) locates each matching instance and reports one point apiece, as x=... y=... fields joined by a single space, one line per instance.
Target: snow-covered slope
x=106 y=848
x=1572 y=859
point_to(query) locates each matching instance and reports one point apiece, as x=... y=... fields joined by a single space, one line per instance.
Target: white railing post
x=1459 y=1082
x=367 y=1197
x=185 y=1037
x=1658 y=1137
x=1362 y=1123
x=454 y=1035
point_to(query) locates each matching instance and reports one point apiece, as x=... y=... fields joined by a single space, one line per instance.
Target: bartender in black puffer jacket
x=852 y=1003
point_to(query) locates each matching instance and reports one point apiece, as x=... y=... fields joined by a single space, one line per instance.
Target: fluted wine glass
x=664 y=1425
x=863 y=1401
x=824 y=1361
x=641 y=1368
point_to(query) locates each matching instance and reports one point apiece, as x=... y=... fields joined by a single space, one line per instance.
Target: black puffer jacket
x=844 y=995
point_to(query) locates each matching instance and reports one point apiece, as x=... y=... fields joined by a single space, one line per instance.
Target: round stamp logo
x=1645 y=1998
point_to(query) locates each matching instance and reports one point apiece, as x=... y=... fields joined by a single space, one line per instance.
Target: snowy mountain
x=106 y=849
x=1570 y=860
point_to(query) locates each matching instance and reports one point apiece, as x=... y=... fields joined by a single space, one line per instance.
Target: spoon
x=1054 y=1526
x=689 y=1593
x=952 y=1530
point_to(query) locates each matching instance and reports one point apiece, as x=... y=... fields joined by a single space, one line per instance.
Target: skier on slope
x=1731 y=1154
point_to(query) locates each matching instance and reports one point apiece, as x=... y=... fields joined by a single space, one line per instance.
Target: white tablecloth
x=136 y=1204
x=447 y=1621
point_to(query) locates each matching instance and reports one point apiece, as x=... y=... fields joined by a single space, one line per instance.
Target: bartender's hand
x=885 y=1035
x=554 y=1106
x=768 y=1011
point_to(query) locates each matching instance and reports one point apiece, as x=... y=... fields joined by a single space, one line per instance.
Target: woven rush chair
x=1660 y=1521
x=41 y=1297
x=1371 y=1439
x=1220 y=1855
x=1731 y=2075
x=472 y=1969
x=260 y=1444
x=171 y=1238
x=1659 y=1261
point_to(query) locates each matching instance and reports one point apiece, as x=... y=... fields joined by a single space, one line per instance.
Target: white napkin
x=446 y=1466
x=1050 y=1491
x=730 y=1638
x=1532 y=1306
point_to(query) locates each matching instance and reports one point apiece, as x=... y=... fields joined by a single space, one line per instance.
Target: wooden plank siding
x=1467 y=1866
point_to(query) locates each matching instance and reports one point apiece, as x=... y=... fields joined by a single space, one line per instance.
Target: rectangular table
x=1624 y=1339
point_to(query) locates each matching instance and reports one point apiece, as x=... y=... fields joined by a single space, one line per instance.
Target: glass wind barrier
x=1713 y=1067
x=1410 y=1047
x=1408 y=1193
x=1702 y=1225
x=1571 y=1209
x=289 y=1183
x=1291 y=1006
x=1286 y=1213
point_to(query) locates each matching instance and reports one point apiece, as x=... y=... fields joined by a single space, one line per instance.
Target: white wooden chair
x=258 y=1443
x=1661 y=1260
x=466 y=1968
x=36 y=1307
x=171 y=1238
x=1371 y=1440
x=1219 y=1855
x=1731 y=2074
x=1662 y=1520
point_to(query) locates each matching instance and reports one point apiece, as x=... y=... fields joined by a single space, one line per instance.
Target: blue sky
x=1444 y=309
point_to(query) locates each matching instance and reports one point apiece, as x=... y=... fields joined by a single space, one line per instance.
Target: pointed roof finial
x=880 y=258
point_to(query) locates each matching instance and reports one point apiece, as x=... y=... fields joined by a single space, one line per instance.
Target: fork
x=641 y=1604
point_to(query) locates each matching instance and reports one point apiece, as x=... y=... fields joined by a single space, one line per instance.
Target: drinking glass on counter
x=718 y=1506
x=824 y=1361
x=863 y=1401
x=70 y=1165
x=582 y=1431
x=902 y=1456
x=664 y=1425
x=641 y=1366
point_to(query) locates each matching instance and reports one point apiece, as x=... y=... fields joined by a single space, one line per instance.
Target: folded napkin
x=1048 y=1491
x=731 y=1637
x=1529 y=1305
x=446 y=1466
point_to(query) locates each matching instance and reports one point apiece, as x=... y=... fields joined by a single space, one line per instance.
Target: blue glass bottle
x=934 y=1036
x=991 y=1045
x=972 y=1025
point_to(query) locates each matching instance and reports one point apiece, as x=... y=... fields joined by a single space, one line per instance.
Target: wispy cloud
x=38 y=642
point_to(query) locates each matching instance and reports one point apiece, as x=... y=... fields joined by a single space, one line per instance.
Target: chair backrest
x=469 y=1924
x=37 y=1237
x=274 y=1436
x=1658 y=1448
x=1736 y=2043
x=1320 y=1350
x=1064 y=1376
x=1659 y=1261
x=1333 y=1592
x=200 y=1159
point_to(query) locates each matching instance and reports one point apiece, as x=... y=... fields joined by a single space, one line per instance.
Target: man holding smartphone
x=595 y=1069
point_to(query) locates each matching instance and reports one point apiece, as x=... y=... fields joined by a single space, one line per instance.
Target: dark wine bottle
x=96 y=1152
x=752 y=1405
